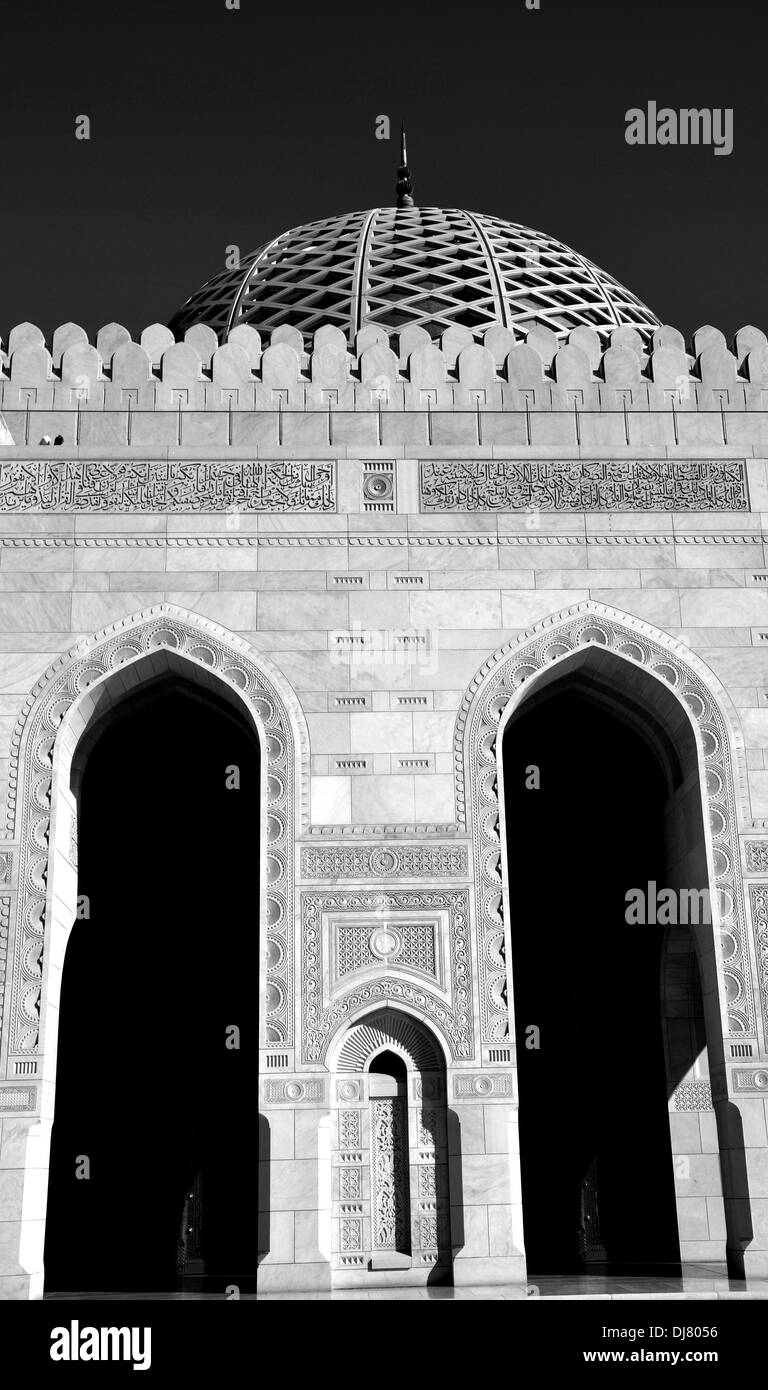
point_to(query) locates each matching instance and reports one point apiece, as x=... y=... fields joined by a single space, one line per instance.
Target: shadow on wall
x=264 y=1193
x=733 y=1166
x=450 y=1230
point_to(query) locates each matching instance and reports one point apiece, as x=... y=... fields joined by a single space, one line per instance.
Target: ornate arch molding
x=386 y=1028
x=214 y=655
x=500 y=686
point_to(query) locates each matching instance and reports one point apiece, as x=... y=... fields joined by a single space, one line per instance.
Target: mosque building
x=384 y=721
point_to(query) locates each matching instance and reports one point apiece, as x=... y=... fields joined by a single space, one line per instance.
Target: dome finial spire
x=404 y=185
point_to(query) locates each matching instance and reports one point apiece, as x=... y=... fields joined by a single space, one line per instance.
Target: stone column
x=294 y=1186
x=743 y=1129
x=27 y=1094
x=485 y=1184
x=25 y=1142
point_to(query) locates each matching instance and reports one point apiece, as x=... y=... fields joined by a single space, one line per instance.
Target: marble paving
x=700 y=1282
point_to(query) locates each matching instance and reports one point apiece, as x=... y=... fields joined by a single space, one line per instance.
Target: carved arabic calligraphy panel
x=137 y=485
x=554 y=485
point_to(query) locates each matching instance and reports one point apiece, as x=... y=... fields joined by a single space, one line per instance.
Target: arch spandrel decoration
x=283 y=736
x=450 y=1013
x=499 y=687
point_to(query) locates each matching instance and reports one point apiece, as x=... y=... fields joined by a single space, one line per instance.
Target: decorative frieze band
x=17 y=1098
x=136 y=485
x=388 y=828
x=483 y=1086
x=292 y=1092
x=574 y=485
x=380 y=539
x=385 y=861
x=756 y=1081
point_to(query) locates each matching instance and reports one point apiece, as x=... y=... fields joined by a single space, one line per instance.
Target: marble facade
x=379 y=555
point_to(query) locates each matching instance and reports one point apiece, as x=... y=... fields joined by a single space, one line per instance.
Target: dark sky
x=212 y=127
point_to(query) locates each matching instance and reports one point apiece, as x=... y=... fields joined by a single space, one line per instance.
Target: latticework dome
x=434 y=267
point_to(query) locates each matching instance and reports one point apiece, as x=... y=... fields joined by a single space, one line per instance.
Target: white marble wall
x=696 y=578
x=432 y=597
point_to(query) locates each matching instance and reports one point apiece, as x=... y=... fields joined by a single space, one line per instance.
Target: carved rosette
x=208 y=647
x=497 y=683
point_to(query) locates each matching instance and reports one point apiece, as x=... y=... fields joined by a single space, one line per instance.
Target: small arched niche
x=391 y=1216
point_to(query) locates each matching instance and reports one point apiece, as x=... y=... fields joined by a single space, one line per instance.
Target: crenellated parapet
x=508 y=370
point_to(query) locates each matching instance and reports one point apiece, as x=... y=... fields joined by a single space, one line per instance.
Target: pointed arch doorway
x=150 y=1177
x=615 y=1018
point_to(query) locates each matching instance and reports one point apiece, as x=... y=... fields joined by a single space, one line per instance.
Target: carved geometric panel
x=431 y=1230
x=350 y=1184
x=321 y=1015
x=351 y=1233
x=350 y=1133
x=484 y=1086
x=428 y=1129
x=756 y=1081
x=411 y=944
x=427 y=1181
x=17 y=1098
x=756 y=856
x=694 y=1095
x=292 y=1092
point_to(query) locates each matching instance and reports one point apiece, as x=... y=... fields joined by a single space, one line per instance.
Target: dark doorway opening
x=388 y=1063
x=597 y=1171
x=154 y=1090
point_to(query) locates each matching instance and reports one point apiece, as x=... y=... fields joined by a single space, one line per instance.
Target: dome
x=435 y=267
